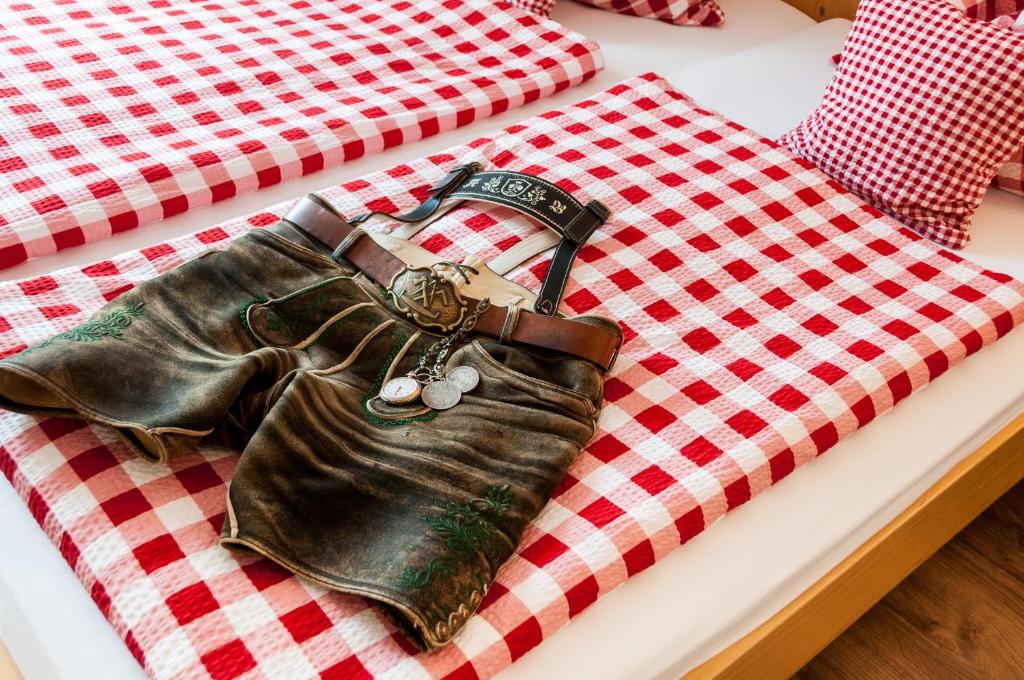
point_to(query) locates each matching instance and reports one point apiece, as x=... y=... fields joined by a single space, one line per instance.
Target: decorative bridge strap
x=530 y=195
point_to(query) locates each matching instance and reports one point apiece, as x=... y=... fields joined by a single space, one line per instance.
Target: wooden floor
x=960 y=615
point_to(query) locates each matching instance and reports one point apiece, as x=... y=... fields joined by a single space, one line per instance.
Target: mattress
x=629 y=45
x=760 y=557
x=815 y=315
x=120 y=115
x=768 y=536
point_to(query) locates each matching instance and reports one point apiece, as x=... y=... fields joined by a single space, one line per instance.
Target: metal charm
x=465 y=378
x=397 y=391
x=427 y=298
x=440 y=395
x=427 y=380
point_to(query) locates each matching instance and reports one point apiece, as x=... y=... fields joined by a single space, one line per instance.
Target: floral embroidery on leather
x=535 y=195
x=112 y=325
x=466 y=530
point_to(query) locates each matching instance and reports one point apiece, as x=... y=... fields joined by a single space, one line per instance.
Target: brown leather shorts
x=271 y=345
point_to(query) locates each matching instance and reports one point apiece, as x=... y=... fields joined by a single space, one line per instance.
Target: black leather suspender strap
x=535 y=197
x=548 y=204
x=438 y=193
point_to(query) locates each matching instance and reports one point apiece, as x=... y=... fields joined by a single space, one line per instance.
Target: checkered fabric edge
x=882 y=132
x=541 y=7
x=1011 y=174
x=679 y=12
x=120 y=115
x=767 y=314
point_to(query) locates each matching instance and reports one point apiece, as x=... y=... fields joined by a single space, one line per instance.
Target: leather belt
x=317 y=218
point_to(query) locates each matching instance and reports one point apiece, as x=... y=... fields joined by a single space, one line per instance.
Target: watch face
x=400 y=390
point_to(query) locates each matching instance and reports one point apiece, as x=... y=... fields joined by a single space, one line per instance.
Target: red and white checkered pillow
x=1002 y=13
x=679 y=12
x=984 y=10
x=924 y=107
x=987 y=10
x=541 y=7
x=1011 y=174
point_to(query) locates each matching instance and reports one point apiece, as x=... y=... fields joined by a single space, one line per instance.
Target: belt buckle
x=427 y=298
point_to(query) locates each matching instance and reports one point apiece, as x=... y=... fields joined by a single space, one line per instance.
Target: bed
x=697 y=602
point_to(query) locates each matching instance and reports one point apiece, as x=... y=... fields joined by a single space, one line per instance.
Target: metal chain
x=439 y=351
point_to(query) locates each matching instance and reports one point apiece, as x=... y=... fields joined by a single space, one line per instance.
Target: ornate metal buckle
x=429 y=299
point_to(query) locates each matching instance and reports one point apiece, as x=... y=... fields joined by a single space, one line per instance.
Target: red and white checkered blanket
x=768 y=313
x=118 y=114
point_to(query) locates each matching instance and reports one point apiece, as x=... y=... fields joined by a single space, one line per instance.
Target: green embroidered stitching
x=466 y=530
x=243 y=312
x=375 y=390
x=276 y=323
x=304 y=309
x=301 y=313
x=297 y=316
x=112 y=325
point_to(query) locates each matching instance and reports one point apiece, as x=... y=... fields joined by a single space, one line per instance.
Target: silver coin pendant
x=440 y=395
x=404 y=390
x=465 y=378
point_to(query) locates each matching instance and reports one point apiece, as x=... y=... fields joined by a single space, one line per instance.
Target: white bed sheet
x=730 y=578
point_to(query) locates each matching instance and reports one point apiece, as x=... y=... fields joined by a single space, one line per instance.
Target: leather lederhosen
x=280 y=343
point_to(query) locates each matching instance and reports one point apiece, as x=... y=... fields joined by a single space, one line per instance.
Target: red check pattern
x=1010 y=176
x=121 y=114
x=1011 y=173
x=767 y=314
x=541 y=7
x=1008 y=14
x=987 y=10
x=924 y=107
x=679 y=12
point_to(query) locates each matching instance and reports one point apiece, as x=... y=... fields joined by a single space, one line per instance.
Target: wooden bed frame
x=8 y=671
x=793 y=636
x=820 y=10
